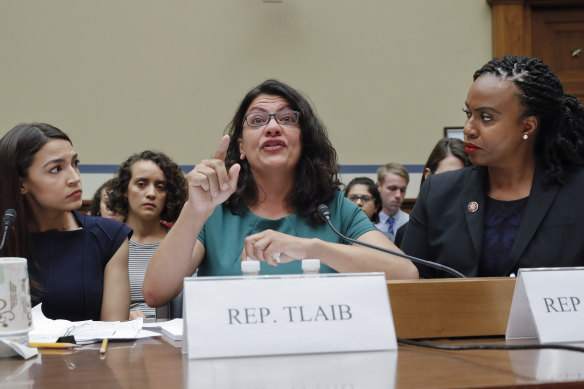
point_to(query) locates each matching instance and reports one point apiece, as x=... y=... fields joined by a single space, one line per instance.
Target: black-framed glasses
x=259 y=119
x=364 y=198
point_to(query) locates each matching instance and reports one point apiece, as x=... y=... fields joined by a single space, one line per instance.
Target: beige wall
x=126 y=75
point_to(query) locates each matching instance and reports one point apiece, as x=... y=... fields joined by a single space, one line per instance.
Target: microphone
x=8 y=221
x=325 y=214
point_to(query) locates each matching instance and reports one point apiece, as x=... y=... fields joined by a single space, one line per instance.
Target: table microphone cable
x=325 y=214
x=490 y=346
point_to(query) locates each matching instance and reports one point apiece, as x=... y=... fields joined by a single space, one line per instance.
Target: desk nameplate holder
x=548 y=304
x=286 y=314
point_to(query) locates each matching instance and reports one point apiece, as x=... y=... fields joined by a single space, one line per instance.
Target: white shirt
x=399 y=219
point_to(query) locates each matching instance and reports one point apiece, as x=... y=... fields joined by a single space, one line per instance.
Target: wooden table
x=156 y=363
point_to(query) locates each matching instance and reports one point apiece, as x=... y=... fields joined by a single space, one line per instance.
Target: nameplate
x=548 y=304
x=290 y=314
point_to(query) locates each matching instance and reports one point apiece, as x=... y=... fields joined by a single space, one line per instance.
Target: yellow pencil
x=103 y=346
x=53 y=345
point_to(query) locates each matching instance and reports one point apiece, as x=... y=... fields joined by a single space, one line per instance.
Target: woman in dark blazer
x=521 y=204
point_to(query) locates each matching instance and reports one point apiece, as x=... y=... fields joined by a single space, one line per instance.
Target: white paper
x=85 y=332
x=548 y=304
x=10 y=347
x=292 y=314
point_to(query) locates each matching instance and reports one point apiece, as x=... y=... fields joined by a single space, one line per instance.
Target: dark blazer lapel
x=473 y=201
x=540 y=200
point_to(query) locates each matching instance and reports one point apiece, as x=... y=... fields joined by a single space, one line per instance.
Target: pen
x=52 y=345
x=103 y=346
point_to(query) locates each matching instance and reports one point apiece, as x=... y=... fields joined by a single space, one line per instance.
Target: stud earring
x=242 y=156
x=525 y=136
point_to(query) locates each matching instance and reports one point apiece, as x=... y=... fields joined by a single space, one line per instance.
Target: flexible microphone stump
x=325 y=214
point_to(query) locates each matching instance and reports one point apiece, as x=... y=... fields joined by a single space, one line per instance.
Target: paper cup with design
x=15 y=306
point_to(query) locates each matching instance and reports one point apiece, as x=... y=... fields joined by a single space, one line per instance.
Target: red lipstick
x=470 y=148
x=76 y=193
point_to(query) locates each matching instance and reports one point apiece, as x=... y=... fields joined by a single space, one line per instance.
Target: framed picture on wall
x=454 y=132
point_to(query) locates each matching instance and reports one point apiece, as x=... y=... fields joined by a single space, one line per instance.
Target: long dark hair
x=444 y=148
x=316 y=172
x=560 y=132
x=372 y=188
x=176 y=185
x=17 y=150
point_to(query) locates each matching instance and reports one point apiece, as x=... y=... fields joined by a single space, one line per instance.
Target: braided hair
x=560 y=134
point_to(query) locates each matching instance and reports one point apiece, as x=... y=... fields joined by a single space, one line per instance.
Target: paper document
x=85 y=332
x=173 y=329
x=12 y=346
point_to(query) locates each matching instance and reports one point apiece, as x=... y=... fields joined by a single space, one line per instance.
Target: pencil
x=52 y=345
x=103 y=346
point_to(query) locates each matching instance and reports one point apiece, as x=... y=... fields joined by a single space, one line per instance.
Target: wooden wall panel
x=548 y=29
x=510 y=29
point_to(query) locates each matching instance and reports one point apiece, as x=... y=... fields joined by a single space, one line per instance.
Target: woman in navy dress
x=78 y=264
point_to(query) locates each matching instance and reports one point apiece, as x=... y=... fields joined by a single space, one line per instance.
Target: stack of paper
x=48 y=331
x=172 y=329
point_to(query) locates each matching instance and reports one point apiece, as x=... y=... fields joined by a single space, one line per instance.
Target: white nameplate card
x=290 y=314
x=548 y=304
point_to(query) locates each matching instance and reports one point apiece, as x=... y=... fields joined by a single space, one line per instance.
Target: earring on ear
x=242 y=156
x=525 y=137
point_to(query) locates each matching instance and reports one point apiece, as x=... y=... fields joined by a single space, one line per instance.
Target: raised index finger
x=222 y=148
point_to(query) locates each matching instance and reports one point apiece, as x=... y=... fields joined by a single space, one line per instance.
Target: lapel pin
x=472 y=207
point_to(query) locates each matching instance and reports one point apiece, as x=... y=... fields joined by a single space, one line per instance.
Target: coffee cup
x=15 y=305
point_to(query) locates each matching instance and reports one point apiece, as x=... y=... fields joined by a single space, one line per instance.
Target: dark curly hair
x=560 y=133
x=316 y=172
x=176 y=185
x=94 y=209
x=373 y=190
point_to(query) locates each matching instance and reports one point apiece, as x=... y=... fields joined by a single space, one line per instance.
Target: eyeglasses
x=258 y=119
x=364 y=198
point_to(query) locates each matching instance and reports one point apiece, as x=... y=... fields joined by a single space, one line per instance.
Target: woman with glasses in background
x=259 y=198
x=363 y=192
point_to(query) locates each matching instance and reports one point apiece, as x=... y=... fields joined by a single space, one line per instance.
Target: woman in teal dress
x=258 y=198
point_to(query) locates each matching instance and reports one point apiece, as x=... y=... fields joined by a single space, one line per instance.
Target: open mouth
x=271 y=145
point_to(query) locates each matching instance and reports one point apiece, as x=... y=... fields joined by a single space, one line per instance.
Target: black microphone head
x=324 y=212
x=9 y=218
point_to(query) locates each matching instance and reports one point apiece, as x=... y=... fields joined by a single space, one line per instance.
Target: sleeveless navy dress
x=68 y=267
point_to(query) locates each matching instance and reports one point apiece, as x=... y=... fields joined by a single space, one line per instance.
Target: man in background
x=392 y=181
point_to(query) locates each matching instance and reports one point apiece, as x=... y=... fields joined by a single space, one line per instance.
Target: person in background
x=363 y=192
x=447 y=155
x=78 y=264
x=392 y=182
x=258 y=198
x=99 y=202
x=521 y=205
x=148 y=188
